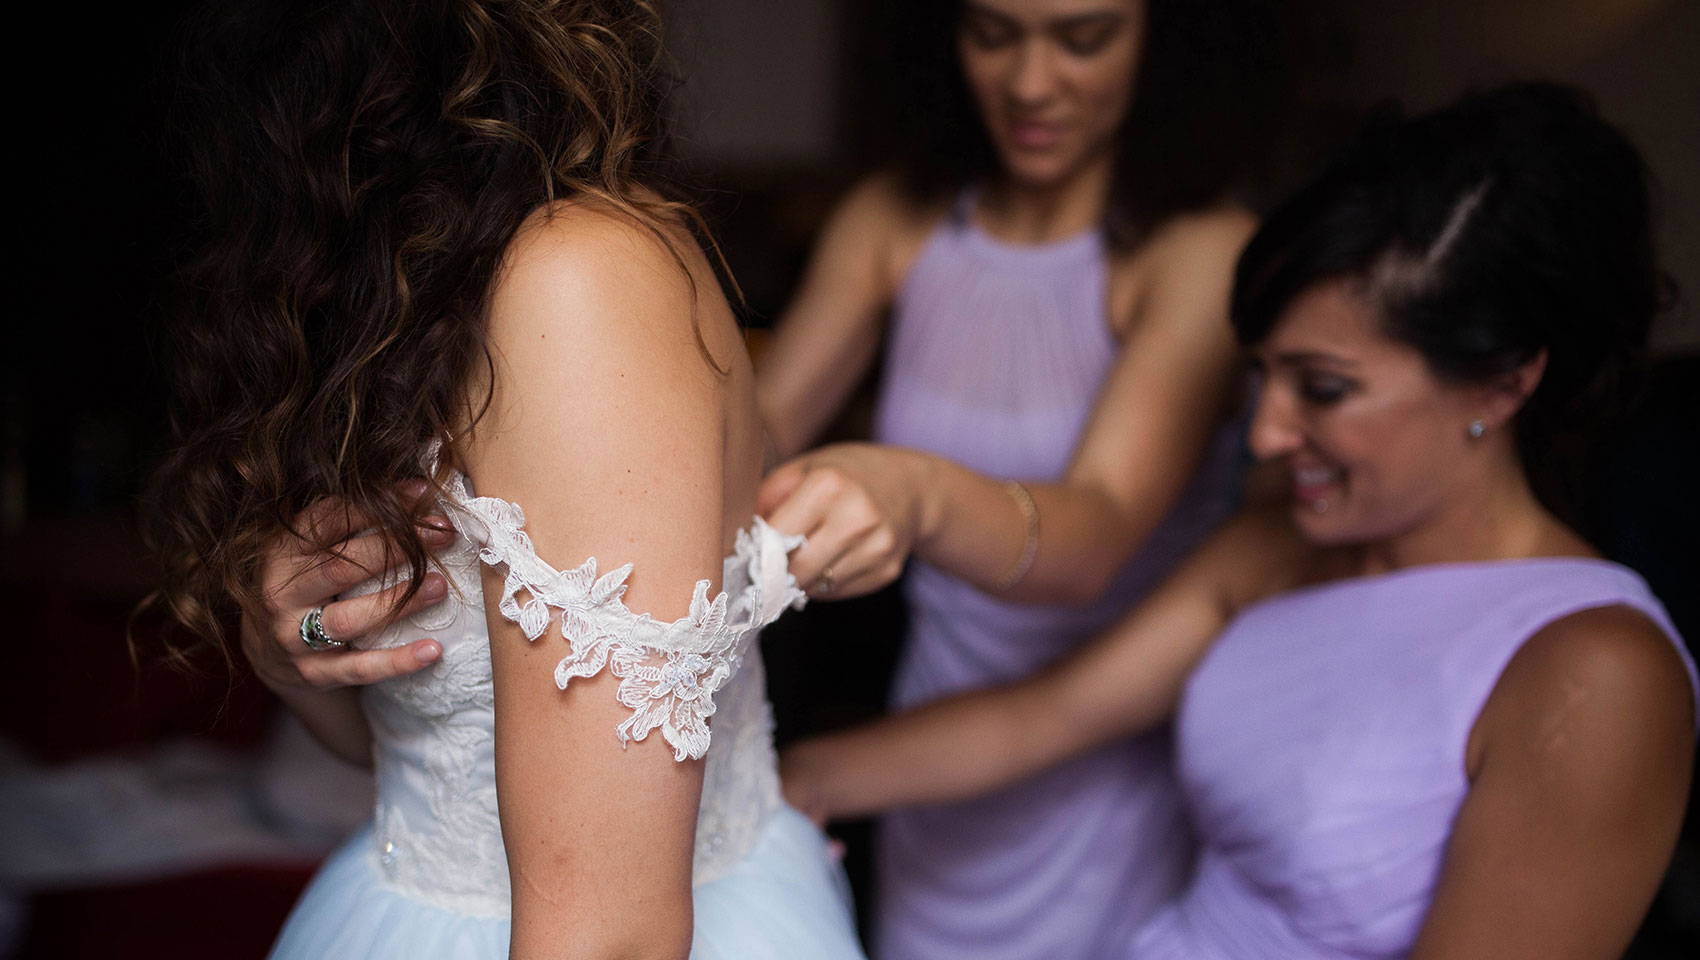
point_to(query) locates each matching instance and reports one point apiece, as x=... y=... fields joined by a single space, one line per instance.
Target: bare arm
x=1580 y=765
x=830 y=333
x=1128 y=681
x=1169 y=389
x=608 y=427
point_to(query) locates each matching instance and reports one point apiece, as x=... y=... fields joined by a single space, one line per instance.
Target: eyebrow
x=1300 y=358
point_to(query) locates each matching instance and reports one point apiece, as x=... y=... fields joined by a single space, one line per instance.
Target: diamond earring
x=1476 y=429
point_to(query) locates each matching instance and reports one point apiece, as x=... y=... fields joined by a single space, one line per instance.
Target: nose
x=1034 y=78
x=1274 y=428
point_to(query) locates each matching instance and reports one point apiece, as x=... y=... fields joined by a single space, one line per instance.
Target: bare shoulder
x=1184 y=267
x=1613 y=654
x=882 y=199
x=883 y=218
x=1221 y=231
x=1600 y=683
x=597 y=276
x=1199 y=240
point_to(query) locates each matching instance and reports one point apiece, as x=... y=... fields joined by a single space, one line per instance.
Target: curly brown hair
x=362 y=165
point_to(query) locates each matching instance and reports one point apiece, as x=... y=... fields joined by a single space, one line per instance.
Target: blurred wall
x=761 y=80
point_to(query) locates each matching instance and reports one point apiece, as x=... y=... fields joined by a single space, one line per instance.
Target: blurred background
x=147 y=812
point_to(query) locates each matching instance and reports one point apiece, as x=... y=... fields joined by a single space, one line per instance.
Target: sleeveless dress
x=428 y=878
x=1321 y=749
x=996 y=357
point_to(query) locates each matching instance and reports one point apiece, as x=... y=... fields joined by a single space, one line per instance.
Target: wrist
x=927 y=506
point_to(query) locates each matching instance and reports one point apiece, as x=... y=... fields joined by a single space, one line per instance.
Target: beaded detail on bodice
x=437 y=835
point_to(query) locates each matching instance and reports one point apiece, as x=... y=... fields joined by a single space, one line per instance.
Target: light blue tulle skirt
x=787 y=900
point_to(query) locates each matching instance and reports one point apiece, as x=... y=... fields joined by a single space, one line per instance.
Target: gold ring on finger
x=826 y=584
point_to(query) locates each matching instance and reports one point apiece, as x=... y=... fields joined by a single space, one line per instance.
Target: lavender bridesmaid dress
x=1321 y=750
x=995 y=360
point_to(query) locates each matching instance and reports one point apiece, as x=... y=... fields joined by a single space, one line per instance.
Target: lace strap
x=669 y=672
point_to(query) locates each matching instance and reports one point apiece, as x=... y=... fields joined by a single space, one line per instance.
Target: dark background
x=784 y=104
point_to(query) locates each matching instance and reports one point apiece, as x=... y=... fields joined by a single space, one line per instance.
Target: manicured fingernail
x=413 y=488
x=428 y=652
x=433 y=587
x=438 y=525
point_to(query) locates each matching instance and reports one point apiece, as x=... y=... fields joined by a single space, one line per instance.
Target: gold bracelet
x=1030 y=546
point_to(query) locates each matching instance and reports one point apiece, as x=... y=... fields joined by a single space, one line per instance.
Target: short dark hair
x=1512 y=222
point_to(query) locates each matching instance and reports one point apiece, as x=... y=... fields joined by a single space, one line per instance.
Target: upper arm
x=1172 y=380
x=1131 y=679
x=607 y=427
x=830 y=332
x=1583 y=756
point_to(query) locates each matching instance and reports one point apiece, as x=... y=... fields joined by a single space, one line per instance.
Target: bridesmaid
x=1416 y=712
x=1050 y=292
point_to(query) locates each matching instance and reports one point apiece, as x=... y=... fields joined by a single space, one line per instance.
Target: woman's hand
x=862 y=507
x=294 y=582
x=803 y=767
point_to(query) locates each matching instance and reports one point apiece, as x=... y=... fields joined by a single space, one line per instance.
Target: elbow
x=1079 y=589
x=655 y=938
x=660 y=942
x=1092 y=586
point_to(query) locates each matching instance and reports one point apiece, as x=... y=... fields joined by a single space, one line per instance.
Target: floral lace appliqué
x=669 y=671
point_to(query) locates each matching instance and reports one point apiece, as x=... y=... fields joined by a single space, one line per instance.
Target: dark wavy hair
x=1513 y=222
x=361 y=166
x=1208 y=96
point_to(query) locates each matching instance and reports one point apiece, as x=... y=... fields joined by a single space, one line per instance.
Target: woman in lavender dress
x=1416 y=713
x=1064 y=249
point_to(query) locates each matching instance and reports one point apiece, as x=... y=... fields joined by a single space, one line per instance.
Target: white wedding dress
x=428 y=878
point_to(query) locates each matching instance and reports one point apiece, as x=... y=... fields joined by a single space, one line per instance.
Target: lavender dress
x=1321 y=749
x=996 y=357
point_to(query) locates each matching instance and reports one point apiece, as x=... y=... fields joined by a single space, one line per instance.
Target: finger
x=352 y=619
x=322 y=576
x=809 y=504
x=329 y=519
x=362 y=667
x=868 y=580
x=861 y=567
x=779 y=484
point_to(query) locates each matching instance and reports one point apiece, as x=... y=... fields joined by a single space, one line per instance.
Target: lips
x=1035 y=136
x=1313 y=482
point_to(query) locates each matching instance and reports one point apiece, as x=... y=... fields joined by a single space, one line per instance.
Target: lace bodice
x=437 y=835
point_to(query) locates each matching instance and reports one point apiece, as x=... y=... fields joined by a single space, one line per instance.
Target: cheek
x=1396 y=462
x=983 y=74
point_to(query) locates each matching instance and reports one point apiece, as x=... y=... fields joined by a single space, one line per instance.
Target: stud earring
x=1476 y=429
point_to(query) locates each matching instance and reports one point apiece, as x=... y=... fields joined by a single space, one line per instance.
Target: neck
x=1028 y=213
x=1497 y=518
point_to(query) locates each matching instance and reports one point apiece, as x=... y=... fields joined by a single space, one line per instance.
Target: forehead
x=1333 y=320
x=1046 y=11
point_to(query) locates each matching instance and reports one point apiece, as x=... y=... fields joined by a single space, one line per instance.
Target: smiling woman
x=1415 y=713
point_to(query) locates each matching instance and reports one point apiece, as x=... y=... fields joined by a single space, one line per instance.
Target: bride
x=435 y=238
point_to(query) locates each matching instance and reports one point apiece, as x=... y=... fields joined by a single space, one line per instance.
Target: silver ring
x=313 y=632
x=825 y=585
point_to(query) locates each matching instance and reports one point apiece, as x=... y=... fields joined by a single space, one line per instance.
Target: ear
x=1505 y=394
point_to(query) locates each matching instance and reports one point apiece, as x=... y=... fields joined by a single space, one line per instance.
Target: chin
x=1325 y=529
x=1035 y=169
